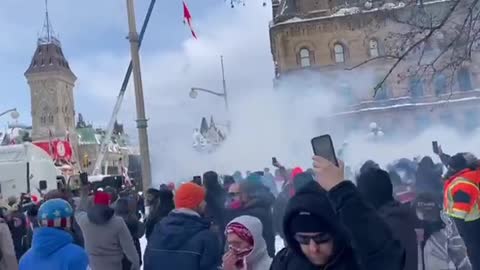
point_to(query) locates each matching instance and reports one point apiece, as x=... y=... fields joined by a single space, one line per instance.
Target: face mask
x=240 y=252
x=235 y=204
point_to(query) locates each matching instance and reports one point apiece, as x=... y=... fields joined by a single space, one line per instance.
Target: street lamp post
x=194 y=90
x=13 y=113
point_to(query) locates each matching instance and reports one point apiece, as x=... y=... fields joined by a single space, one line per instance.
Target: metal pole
x=224 y=83
x=103 y=148
x=7 y=111
x=137 y=80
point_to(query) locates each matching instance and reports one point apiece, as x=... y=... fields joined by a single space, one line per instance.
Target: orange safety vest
x=467 y=181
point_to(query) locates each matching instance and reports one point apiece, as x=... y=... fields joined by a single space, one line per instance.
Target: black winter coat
x=136 y=229
x=402 y=221
x=182 y=241
x=362 y=239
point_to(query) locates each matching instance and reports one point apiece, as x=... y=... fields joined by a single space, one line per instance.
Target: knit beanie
x=101 y=198
x=306 y=222
x=55 y=213
x=189 y=195
x=296 y=171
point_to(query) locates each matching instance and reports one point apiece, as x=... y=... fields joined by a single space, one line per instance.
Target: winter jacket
x=106 y=237
x=136 y=229
x=361 y=237
x=18 y=229
x=261 y=208
x=182 y=241
x=445 y=249
x=215 y=212
x=402 y=222
x=54 y=249
x=258 y=259
x=161 y=208
x=8 y=260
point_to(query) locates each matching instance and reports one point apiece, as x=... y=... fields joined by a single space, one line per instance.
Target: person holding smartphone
x=328 y=225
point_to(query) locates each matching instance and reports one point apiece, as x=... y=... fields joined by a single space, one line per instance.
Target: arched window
x=373 y=48
x=339 y=53
x=440 y=84
x=50 y=119
x=305 y=57
x=43 y=120
x=464 y=80
x=416 y=87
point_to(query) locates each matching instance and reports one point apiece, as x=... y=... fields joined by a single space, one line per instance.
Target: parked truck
x=26 y=168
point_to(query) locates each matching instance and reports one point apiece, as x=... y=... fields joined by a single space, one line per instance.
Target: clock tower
x=51 y=84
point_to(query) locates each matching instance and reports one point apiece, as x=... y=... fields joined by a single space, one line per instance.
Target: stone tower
x=51 y=84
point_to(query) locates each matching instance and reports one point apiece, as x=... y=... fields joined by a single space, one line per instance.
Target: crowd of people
x=409 y=215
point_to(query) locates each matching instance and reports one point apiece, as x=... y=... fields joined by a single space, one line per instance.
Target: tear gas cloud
x=265 y=123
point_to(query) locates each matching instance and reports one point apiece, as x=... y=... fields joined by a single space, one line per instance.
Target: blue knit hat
x=55 y=213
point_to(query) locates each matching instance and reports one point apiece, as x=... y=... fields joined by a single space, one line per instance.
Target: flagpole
x=139 y=99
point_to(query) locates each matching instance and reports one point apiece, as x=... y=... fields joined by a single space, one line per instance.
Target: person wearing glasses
x=328 y=225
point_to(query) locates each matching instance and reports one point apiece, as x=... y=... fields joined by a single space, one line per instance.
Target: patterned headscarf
x=241 y=231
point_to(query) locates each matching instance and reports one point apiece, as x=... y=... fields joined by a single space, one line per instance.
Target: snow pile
x=393 y=5
x=347 y=11
x=293 y=20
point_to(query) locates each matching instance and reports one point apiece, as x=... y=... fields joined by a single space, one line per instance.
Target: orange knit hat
x=189 y=195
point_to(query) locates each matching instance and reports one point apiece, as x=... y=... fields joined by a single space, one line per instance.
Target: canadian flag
x=187 y=18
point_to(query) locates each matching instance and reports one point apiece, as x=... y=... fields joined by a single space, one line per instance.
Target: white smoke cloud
x=265 y=123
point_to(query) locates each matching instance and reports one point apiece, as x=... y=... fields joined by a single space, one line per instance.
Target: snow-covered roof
x=351 y=11
x=407 y=105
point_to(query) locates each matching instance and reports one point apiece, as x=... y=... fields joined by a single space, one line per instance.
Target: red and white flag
x=187 y=18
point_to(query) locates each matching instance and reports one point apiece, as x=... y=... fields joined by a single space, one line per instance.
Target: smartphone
x=197 y=180
x=436 y=150
x=42 y=185
x=323 y=147
x=84 y=178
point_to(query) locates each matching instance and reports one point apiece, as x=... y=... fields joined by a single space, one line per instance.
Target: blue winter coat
x=53 y=249
x=182 y=241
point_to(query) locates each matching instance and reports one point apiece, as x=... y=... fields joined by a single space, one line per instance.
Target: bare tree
x=438 y=37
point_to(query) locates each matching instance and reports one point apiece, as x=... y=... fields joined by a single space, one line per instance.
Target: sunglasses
x=234 y=193
x=318 y=239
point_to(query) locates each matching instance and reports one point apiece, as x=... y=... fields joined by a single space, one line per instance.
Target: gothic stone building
x=51 y=84
x=313 y=42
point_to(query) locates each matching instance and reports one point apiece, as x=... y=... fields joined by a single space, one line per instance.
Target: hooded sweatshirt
x=182 y=241
x=376 y=187
x=362 y=239
x=107 y=237
x=258 y=258
x=54 y=249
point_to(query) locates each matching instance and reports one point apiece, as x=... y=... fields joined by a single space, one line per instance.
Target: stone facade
x=51 y=84
x=316 y=41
